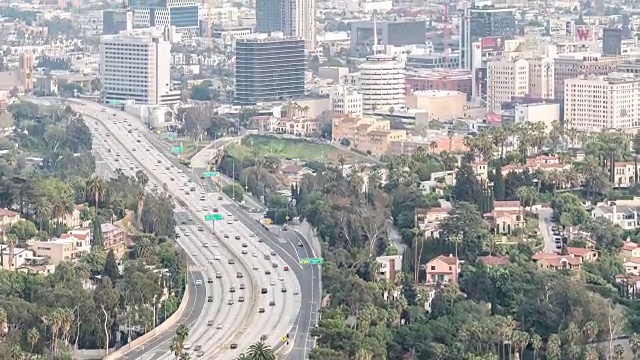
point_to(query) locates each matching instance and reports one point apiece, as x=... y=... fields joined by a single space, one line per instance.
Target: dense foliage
x=98 y=301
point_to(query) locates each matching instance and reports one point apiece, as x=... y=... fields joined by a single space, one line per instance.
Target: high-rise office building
x=294 y=18
x=478 y=23
x=268 y=16
x=382 y=83
x=594 y=103
x=269 y=68
x=136 y=65
x=183 y=14
x=396 y=33
x=114 y=21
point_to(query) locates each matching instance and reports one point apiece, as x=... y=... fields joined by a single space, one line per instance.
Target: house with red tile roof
x=442 y=270
x=556 y=262
x=491 y=260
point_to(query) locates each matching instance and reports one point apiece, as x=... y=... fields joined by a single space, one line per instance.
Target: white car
x=198 y=282
x=215 y=244
x=216 y=257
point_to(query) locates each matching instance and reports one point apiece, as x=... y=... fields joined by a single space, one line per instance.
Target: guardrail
x=172 y=320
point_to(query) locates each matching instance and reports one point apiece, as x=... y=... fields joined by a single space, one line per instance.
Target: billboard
x=583 y=32
x=494 y=43
x=611 y=41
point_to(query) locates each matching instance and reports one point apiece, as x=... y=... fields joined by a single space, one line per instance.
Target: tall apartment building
x=294 y=18
x=541 y=79
x=484 y=22
x=346 y=101
x=269 y=68
x=183 y=14
x=135 y=65
x=506 y=79
x=593 y=103
x=382 y=83
x=393 y=33
x=571 y=66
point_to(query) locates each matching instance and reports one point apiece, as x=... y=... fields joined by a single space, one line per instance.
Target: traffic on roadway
x=246 y=284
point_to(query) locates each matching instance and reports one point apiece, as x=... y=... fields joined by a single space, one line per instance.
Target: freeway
x=238 y=321
x=287 y=245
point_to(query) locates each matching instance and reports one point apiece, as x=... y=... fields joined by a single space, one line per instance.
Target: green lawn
x=290 y=148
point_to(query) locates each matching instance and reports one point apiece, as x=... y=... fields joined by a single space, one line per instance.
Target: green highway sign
x=213 y=217
x=176 y=149
x=116 y=102
x=209 y=174
x=311 y=261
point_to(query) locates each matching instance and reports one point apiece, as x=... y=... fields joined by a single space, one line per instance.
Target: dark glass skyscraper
x=269 y=69
x=485 y=22
x=269 y=16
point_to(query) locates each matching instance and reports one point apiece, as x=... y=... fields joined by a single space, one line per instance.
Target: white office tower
x=346 y=101
x=298 y=20
x=382 y=83
x=135 y=65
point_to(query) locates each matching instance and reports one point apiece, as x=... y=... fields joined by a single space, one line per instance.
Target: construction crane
x=446 y=35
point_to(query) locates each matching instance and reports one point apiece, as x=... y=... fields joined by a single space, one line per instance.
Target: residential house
x=481 y=169
x=442 y=270
x=624 y=174
x=291 y=126
x=114 y=238
x=21 y=257
x=389 y=265
x=631 y=265
x=491 y=260
x=585 y=255
x=542 y=162
x=73 y=219
x=371 y=135
x=56 y=250
x=429 y=220
x=8 y=218
x=629 y=250
x=625 y=216
x=556 y=262
x=505 y=217
x=82 y=237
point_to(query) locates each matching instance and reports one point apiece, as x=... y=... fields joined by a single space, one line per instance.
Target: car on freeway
x=198 y=282
x=218 y=275
x=230 y=302
x=284 y=290
x=272 y=303
x=216 y=256
x=216 y=244
x=239 y=275
x=231 y=261
x=234 y=346
x=267 y=272
x=286 y=268
x=261 y=310
x=244 y=252
x=296 y=292
x=242 y=286
x=264 y=290
x=274 y=265
x=209 y=280
x=241 y=299
x=219 y=326
x=263 y=337
x=205 y=244
x=197 y=348
x=199 y=353
x=210 y=323
x=244 y=245
x=232 y=289
x=260 y=240
x=237 y=237
x=226 y=236
x=229 y=222
x=300 y=244
x=210 y=299
x=273 y=253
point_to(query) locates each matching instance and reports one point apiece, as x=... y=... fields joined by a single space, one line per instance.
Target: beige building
x=73 y=219
x=506 y=79
x=298 y=127
x=346 y=101
x=439 y=104
x=346 y=127
x=544 y=113
x=571 y=66
x=114 y=238
x=541 y=81
x=593 y=103
x=21 y=257
x=56 y=250
x=8 y=218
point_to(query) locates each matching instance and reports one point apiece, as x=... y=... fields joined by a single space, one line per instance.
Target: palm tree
x=33 y=336
x=3 y=323
x=143 y=246
x=527 y=195
x=141 y=198
x=589 y=331
x=634 y=344
x=96 y=187
x=554 y=349
x=261 y=351
x=242 y=357
x=185 y=356
x=342 y=160
x=182 y=333
x=176 y=347
x=82 y=269
x=450 y=135
x=11 y=241
x=42 y=212
x=535 y=341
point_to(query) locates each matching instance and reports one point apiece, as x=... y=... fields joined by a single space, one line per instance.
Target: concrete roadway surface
x=286 y=245
x=107 y=165
x=544 y=226
x=153 y=161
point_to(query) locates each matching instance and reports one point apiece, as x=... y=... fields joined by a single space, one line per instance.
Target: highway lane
x=279 y=305
x=286 y=244
x=144 y=155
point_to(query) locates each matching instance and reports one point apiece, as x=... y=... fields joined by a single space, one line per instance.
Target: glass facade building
x=269 y=69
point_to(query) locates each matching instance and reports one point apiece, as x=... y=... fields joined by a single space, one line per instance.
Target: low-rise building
x=73 y=220
x=491 y=260
x=390 y=265
x=8 y=218
x=556 y=262
x=56 y=250
x=625 y=216
x=442 y=270
x=429 y=220
x=114 y=238
x=505 y=217
x=291 y=126
x=20 y=258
